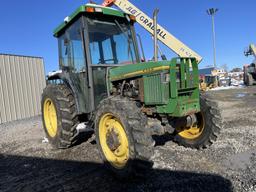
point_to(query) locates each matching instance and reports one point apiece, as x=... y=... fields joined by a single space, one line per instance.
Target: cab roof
x=87 y=8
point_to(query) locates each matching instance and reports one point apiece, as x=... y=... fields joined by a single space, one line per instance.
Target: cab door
x=73 y=60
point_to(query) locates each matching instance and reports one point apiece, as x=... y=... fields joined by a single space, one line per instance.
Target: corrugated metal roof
x=17 y=55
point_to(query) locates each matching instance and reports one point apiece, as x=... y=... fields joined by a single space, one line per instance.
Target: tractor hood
x=136 y=70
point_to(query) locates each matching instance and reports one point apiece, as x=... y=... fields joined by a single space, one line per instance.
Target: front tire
x=124 y=141
x=207 y=128
x=59 y=116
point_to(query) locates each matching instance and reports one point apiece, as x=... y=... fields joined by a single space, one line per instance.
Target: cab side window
x=71 y=49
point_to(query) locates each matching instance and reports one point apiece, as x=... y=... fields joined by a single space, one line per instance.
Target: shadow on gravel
x=36 y=174
x=162 y=139
x=84 y=137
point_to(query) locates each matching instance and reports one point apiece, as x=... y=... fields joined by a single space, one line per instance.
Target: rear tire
x=140 y=142
x=60 y=99
x=212 y=125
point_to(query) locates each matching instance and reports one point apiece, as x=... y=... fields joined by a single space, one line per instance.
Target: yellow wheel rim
x=50 y=117
x=194 y=131
x=113 y=141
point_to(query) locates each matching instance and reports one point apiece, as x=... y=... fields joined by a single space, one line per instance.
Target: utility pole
x=212 y=12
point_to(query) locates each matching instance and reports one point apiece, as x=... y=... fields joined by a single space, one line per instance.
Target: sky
x=26 y=27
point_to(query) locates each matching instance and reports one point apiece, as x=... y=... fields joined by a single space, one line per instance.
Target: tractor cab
x=90 y=41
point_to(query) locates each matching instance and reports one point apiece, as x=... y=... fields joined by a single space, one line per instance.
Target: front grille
x=155 y=90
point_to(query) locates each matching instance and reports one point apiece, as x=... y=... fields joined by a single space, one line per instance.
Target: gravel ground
x=28 y=164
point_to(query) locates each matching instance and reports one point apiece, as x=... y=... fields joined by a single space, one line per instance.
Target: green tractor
x=103 y=85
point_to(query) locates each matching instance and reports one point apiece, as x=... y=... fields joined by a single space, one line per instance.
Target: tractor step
x=83 y=127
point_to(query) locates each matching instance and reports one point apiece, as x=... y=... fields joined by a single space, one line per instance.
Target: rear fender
x=64 y=78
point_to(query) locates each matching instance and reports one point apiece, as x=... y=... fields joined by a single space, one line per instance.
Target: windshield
x=111 y=42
